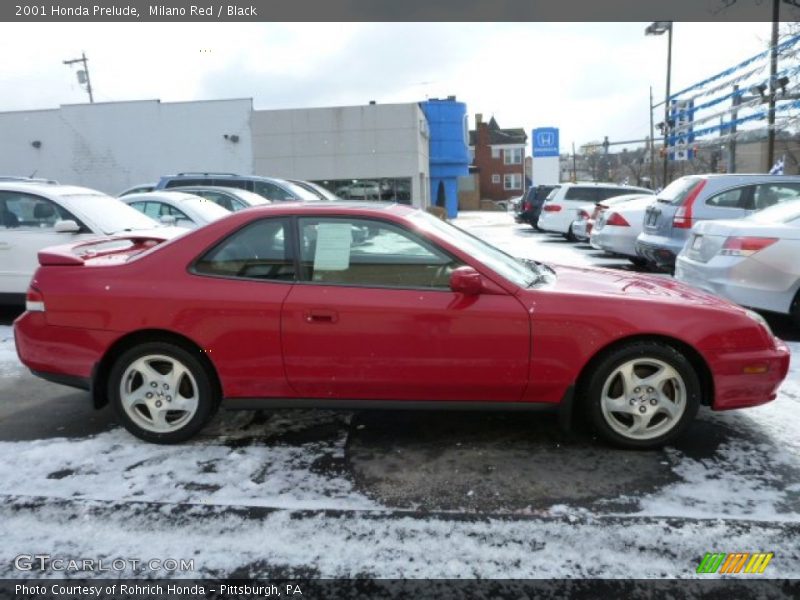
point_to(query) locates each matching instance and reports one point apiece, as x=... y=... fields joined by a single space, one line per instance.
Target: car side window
x=28 y=212
x=370 y=253
x=583 y=194
x=271 y=191
x=606 y=193
x=260 y=250
x=184 y=182
x=221 y=199
x=769 y=194
x=734 y=198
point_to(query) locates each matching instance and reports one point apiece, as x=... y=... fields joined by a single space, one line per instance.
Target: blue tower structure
x=448 y=150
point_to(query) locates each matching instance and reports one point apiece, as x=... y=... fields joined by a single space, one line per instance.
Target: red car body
x=307 y=341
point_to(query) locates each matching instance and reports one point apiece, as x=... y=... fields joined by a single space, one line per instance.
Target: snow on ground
x=9 y=363
x=256 y=496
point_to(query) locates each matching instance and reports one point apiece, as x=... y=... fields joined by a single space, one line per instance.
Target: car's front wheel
x=161 y=392
x=642 y=395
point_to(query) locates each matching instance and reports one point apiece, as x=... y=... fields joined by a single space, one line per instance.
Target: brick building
x=498 y=156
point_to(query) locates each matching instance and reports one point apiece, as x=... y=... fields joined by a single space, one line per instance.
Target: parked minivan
x=565 y=203
x=530 y=207
x=694 y=198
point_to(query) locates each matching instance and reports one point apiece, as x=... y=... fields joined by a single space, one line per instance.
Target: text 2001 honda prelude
x=369 y=305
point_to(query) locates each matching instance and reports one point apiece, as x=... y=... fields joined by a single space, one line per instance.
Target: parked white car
x=564 y=204
x=752 y=261
x=615 y=230
x=37 y=215
x=179 y=208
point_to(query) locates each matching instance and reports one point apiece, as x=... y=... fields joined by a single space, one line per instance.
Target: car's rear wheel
x=638 y=261
x=161 y=392
x=794 y=310
x=570 y=235
x=642 y=395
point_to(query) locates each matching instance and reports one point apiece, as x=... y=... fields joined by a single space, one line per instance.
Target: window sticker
x=333 y=247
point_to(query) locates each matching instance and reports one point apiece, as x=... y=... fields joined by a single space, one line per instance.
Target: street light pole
x=666 y=102
x=660 y=28
x=773 y=70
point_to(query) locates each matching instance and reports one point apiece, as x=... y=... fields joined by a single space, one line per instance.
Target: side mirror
x=66 y=226
x=168 y=219
x=467 y=281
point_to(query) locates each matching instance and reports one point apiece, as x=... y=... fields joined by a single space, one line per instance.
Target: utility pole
x=666 y=104
x=652 y=145
x=773 y=70
x=83 y=75
x=737 y=100
x=574 y=165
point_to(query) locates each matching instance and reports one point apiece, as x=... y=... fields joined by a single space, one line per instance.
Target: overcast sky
x=588 y=79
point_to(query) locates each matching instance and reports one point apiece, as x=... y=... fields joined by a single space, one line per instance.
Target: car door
x=26 y=226
x=373 y=317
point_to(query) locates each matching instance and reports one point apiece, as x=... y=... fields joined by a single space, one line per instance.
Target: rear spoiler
x=77 y=254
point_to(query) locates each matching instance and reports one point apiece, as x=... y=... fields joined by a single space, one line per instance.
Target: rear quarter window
x=582 y=194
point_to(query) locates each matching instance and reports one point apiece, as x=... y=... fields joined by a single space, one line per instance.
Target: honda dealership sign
x=681 y=115
x=545 y=155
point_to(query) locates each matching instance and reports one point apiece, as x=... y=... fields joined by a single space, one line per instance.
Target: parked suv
x=271 y=188
x=530 y=207
x=570 y=201
x=694 y=198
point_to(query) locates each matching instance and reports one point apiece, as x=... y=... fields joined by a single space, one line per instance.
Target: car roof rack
x=208 y=173
x=19 y=179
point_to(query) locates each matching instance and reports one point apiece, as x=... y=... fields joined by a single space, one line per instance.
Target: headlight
x=760 y=320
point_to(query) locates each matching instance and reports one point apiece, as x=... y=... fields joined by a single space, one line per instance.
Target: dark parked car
x=272 y=188
x=529 y=209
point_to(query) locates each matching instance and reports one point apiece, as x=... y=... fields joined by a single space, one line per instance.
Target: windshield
x=780 y=213
x=108 y=214
x=299 y=192
x=206 y=209
x=506 y=265
x=676 y=192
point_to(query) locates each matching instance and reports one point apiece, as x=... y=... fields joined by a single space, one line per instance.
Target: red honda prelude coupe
x=357 y=305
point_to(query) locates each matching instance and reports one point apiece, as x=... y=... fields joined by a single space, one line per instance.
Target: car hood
x=593 y=281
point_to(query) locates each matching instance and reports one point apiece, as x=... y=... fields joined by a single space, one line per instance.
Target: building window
x=495 y=152
x=512 y=156
x=512 y=181
x=472 y=154
x=495 y=178
x=394 y=189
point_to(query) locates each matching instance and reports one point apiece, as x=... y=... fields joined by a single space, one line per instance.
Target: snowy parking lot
x=398 y=495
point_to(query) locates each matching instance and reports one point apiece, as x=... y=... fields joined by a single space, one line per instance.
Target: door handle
x=318 y=315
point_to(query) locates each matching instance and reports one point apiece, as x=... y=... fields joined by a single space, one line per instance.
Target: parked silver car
x=752 y=261
x=695 y=198
x=616 y=229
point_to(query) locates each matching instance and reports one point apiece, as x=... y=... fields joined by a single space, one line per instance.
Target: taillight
x=527 y=207
x=34 y=301
x=618 y=220
x=683 y=216
x=552 y=208
x=582 y=214
x=745 y=246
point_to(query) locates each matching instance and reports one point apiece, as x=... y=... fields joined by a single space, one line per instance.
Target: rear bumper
x=658 y=250
x=66 y=355
x=741 y=280
x=611 y=240
x=736 y=389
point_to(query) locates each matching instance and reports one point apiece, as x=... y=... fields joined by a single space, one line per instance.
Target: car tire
x=638 y=261
x=161 y=392
x=642 y=396
x=794 y=310
x=570 y=235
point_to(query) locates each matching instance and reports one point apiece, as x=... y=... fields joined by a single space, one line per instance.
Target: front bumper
x=736 y=388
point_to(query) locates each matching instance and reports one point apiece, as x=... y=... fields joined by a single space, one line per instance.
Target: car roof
x=157 y=195
x=48 y=189
x=344 y=207
x=212 y=188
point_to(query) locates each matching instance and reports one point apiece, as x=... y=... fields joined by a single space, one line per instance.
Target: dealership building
x=410 y=152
